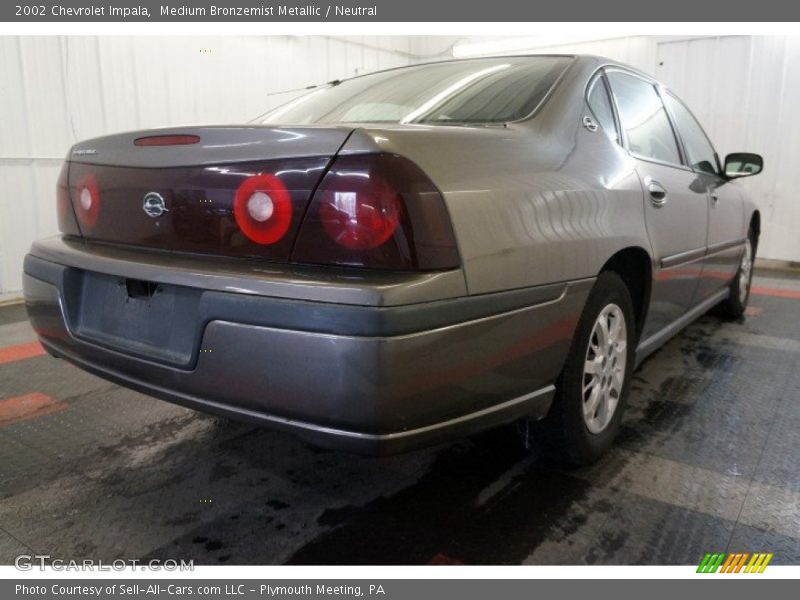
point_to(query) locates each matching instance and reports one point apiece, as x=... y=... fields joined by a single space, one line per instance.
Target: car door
x=725 y=205
x=676 y=213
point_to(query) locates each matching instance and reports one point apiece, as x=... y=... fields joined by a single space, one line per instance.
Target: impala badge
x=154 y=204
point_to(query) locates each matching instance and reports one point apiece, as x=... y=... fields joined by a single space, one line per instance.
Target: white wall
x=57 y=90
x=743 y=89
x=746 y=91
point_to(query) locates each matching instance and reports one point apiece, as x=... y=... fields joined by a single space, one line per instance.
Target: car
x=405 y=257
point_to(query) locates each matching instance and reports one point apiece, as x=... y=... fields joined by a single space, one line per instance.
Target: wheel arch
x=755 y=225
x=635 y=266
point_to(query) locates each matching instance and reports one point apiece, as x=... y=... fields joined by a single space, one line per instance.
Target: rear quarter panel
x=536 y=202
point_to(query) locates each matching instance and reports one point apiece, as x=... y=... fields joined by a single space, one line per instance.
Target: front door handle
x=658 y=194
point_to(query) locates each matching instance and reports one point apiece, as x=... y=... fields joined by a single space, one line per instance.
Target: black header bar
x=400 y=11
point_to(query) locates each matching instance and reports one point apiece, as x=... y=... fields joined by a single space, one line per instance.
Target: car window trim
x=674 y=96
x=662 y=163
x=600 y=76
x=683 y=165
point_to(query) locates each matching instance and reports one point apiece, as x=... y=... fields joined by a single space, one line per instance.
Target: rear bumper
x=370 y=379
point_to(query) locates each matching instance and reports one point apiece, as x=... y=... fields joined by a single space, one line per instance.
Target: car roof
x=456 y=60
x=586 y=60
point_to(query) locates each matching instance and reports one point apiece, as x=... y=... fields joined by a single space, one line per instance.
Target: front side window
x=644 y=119
x=698 y=148
x=488 y=90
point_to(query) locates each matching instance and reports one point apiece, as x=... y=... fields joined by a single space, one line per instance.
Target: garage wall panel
x=743 y=90
x=784 y=218
x=14 y=135
x=47 y=121
x=637 y=51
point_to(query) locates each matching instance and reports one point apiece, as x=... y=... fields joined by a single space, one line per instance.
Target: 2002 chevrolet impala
x=402 y=257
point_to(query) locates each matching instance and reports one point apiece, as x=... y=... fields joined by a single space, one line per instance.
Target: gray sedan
x=403 y=257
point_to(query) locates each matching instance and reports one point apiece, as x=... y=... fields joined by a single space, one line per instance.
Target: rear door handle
x=658 y=194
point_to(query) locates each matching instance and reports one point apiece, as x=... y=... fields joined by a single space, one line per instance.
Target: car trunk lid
x=176 y=189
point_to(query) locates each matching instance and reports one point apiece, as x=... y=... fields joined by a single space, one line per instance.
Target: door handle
x=714 y=200
x=658 y=194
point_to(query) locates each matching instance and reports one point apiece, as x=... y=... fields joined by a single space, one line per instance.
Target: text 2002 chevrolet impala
x=404 y=256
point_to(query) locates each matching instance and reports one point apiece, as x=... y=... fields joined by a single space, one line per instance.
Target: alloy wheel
x=604 y=368
x=745 y=270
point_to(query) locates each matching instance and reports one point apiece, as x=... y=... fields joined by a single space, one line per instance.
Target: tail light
x=87 y=201
x=377 y=211
x=262 y=208
x=66 y=214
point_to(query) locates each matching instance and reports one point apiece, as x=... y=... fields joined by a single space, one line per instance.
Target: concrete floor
x=707 y=461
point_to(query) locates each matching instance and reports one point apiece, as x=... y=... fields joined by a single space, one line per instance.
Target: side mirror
x=743 y=164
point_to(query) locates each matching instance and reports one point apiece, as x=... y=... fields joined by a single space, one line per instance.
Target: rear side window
x=701 y=154
x=644 y=119
x=600 y=105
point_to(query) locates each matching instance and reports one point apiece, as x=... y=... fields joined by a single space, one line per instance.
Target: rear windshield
x=488 y=90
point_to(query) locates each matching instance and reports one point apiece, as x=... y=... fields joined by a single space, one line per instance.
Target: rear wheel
x=593 y=387
x=735 y=304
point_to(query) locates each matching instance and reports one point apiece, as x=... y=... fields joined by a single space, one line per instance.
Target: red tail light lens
x=66 y=214
x=87 y=201
x=377 y=211
x=262 y=208
x=359 y=213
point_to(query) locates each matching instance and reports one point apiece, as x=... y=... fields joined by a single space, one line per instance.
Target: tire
x=583 y=439
x=734 y=305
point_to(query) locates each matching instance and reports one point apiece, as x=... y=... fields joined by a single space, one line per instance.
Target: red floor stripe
x=775 y=292
x=27 y=406
x=20 y=352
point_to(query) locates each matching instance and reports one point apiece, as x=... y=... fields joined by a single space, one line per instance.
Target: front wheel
x=593 y=387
